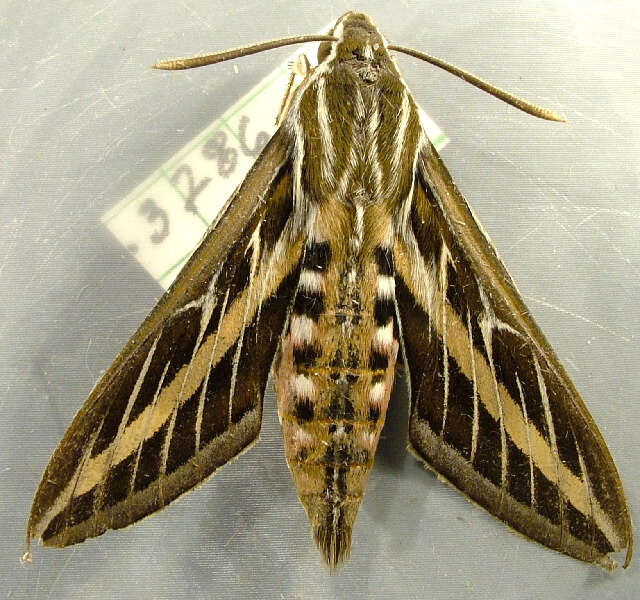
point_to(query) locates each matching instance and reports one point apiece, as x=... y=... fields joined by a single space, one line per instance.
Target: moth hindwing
x=346 y=246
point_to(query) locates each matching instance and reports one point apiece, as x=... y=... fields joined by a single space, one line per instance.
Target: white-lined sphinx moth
x=346 y=246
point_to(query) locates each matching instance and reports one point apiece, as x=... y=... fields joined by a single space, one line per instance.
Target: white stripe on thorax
x=327 y=150
x=403 y=122
x=373 y=130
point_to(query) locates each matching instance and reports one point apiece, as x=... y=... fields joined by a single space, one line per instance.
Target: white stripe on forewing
x=151 y=419
x=532 y=481
x=124 y=419
x=424 y=276
x=449 y=456
x=587 y=483
x=475 y=427
x=209 y=301
x=489 y=322
x=147 y=424
x=205 y=385
x=523 y=436
x=275 y=258
x=76 y=481
x=256 y=248
x=550 y=428
x=71 y=490
x=444 y=283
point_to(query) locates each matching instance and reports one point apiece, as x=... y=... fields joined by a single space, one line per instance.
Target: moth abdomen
x=335 y=376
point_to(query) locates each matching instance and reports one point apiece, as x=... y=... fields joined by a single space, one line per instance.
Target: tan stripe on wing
x=522 y=432
x=185 y=383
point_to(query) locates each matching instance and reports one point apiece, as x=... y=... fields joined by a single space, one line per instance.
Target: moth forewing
x=132 y=447
x=346 y=243
x=509 y=427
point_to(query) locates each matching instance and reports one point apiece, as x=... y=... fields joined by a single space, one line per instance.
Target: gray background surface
x=83 y=120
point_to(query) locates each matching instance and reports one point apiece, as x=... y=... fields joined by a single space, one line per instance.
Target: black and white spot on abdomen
x=384 y=345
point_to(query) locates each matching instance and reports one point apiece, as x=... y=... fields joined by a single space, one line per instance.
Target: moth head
x=358 y=40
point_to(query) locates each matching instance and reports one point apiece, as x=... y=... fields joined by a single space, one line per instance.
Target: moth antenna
x=300 y=67
x=177 y=64
x=519 y=103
